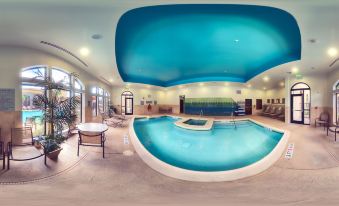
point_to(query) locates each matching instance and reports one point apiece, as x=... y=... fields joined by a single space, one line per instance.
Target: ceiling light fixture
x=84 y=51
x=332 y=52
x=282 y=84
x=266 y=78
x=295 y=70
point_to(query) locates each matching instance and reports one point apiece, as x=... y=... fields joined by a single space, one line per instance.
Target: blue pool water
x=222 y=148
x=30 y=113
x=196 y=122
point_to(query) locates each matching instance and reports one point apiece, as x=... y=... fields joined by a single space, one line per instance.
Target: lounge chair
x=266 y=110
x=323 y=119
x=278 y=112
x=281 y=117
x=113 y=122
x=334 y=128
x=272 y=111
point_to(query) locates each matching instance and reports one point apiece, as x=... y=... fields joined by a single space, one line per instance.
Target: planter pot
x=37 y=145
x=54 y=154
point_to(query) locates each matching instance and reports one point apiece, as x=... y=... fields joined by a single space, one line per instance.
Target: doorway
x=248 y=106
x=127 y=103
x=182 y=103
x=300 y=103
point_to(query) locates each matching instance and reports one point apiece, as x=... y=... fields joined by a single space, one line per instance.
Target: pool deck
x=310 y=177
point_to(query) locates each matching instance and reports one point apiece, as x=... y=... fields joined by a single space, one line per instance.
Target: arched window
x=30 y=77
x=100 y=101
x=127 y=103
x=301 y=103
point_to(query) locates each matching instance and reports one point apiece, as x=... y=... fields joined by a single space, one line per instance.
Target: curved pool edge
x=199 y=176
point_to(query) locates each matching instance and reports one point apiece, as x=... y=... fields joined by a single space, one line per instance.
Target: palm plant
x=58 y=112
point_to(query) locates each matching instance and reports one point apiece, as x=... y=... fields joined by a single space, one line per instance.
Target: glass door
x=297 y=109
x=128 y=106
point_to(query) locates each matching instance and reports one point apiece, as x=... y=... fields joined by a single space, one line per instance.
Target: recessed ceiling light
x=282 y=84
x=111 y=80
x=266 y=78
x=312 y=41
x=264 y=88
x=97 y=36
x=84 y=51
x=332 y=52
x=295 y=70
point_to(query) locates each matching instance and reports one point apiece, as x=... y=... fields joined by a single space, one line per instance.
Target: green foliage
x=57 y=111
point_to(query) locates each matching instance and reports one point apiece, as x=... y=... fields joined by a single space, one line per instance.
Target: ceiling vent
x=64 y=50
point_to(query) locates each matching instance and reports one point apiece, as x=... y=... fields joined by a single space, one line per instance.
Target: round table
x=92 y=127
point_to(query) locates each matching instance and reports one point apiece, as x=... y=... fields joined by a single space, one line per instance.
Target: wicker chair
x=92 y=139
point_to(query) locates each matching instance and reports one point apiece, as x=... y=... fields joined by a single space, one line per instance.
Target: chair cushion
x=332 y=129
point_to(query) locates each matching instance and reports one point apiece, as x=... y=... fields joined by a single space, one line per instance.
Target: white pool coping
x=208 y=126
x=199 y=176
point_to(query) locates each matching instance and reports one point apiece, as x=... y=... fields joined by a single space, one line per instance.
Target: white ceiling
x=71 y=23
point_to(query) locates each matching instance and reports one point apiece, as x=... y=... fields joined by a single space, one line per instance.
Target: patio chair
x=323 y=119
x=92 y=139
x=2 y=152
x=271 y=111
x=21 y=137
x=266 y=110
x=281 y=117
x=114 y=122
x=72 y=130
x=278 y=112
x=334 y=128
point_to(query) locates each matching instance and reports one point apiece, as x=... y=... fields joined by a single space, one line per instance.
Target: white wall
x=13 y=59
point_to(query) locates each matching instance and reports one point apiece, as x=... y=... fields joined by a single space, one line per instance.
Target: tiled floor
x=311 y=177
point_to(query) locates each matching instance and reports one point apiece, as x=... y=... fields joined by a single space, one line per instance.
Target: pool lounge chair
x=266 y=111
x=323 y=119
x=272 y=111
x=334 y=128
x=277 y=112
x=113 y=122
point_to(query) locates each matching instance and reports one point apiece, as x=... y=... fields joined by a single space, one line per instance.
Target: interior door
x=182 y=102
x=128 y=106
x=248 y=106
x=259 y=104
x=297 y=108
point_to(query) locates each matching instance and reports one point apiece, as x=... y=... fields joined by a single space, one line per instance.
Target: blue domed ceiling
x=175 y=44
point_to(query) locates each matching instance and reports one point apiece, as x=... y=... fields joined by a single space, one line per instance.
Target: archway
x=301 y=103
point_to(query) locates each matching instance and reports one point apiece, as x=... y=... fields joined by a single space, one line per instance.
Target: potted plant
x=58 y=112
